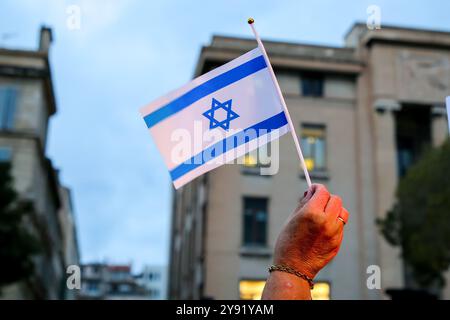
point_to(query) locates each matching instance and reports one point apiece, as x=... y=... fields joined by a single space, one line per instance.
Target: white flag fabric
x=217 y=117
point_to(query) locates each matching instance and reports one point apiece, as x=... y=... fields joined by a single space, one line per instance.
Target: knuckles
x=322 y=190
x=338 y=200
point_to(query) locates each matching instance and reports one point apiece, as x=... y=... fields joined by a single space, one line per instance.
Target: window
x=250 y=161
x=412 y=134
x=259 y=158
x=313 y=146
x=289 y=81
x=251 y=289
x=153 y=276
x=5 y=154
x=7 y=107
x=92 y=287
x=321 y=291
x=124 y=288
x=312 y=85
x=255 y=221
x=119 y=275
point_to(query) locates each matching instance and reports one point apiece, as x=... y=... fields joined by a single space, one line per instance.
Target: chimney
x=45 y=39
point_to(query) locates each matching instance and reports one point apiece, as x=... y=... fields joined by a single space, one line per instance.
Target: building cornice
x=305 y=62
x=416 y=30
x=29 y=70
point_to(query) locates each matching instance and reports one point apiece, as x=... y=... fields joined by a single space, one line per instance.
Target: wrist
x=292 y=271
x=285 y=286
x=299 y=265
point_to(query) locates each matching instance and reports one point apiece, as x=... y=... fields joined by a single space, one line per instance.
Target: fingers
x=344 y=215
x=340 y=223
x=320 y=197
x=306 y=196
x=334 y=207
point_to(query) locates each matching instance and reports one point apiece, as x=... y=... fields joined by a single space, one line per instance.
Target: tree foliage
x=17 y=244
x=419 y=222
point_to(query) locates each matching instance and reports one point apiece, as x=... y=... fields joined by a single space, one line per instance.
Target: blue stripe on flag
x=228 y=144
x=205 y=89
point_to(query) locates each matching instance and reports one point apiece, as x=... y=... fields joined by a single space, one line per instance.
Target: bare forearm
x=309 y=240
x=285 y=286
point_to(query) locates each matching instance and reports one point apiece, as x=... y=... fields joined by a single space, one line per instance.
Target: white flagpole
x=280 y=94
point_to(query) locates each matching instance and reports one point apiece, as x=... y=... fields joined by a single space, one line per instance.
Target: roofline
x=406 y=43
x=23 y=53
x=280 y=42
x=397 y=27
x=354 y=65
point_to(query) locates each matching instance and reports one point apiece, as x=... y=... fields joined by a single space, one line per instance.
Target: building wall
x=69 y=243
x=154 y=279
x=35 y=179
x=31 y=172
x=401 y=75
x=365 y=85
x=225 y=255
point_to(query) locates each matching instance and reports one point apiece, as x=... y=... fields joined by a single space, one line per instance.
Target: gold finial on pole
x=250 y=20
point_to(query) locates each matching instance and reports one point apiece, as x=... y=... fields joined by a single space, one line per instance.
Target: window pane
x=314 y=146
x=306 y=147
x=251 y=289
x=259 y=158
x=320 y=153
x=312 y=85
x=250 y=160
x=5 y=154
x=321 y=291
x=255 y=221
x=289 y=81
x=7 y=107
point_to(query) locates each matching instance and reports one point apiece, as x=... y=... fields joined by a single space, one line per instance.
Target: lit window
x=259 y=158
x=313 y=147
x=251 y=289
x=321 y=291
x=7 y=107
x=255 y=221
x=250 y=161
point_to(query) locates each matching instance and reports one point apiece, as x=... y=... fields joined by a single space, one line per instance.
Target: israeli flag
x=217 y=117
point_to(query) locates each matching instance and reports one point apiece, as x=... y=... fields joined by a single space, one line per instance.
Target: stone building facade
x=364 y=113
x=27 y=101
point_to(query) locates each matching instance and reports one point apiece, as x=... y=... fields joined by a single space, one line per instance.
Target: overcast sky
x=126 y=54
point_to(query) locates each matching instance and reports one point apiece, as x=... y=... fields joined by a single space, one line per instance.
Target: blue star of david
x=224 y=124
